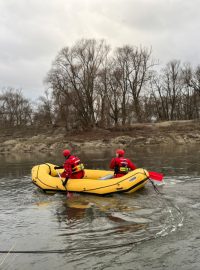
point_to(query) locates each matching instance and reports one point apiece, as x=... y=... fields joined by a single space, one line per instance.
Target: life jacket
x=121 y=166
x=76 y=165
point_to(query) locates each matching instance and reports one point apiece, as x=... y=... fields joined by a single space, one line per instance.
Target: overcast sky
x=33 y=31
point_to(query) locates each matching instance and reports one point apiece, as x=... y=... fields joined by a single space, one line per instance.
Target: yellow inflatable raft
x=95 y=181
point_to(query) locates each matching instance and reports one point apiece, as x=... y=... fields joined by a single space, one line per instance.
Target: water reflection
x=87 y=225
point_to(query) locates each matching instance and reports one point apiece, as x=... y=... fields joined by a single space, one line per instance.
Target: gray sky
x=33 y=31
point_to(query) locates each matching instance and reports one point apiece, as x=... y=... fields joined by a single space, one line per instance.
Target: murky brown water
x=144 y=230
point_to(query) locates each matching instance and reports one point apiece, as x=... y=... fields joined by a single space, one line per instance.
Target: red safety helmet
x=120 y=152
x=66 y=153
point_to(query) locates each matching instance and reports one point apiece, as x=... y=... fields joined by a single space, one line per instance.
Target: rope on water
x=67 y=250
x=155 y=188
x=31 y=252
x=7 y=253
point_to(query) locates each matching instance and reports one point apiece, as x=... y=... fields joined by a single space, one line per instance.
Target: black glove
x=58 y=167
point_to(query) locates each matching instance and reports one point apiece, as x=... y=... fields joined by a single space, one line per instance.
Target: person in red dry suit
x=73 y=168
x=120 y=164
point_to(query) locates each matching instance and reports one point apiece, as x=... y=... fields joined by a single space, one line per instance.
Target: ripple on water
x=83 y=223
x=91 y=222
x=87 y=222
x=99 y=233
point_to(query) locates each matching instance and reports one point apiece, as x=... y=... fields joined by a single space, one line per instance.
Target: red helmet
x=120 y=152
x=66 y=153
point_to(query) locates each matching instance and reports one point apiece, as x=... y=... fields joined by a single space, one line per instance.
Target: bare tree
x=103 y=103
x=15 y=109
x=92 y=87
x=135 y=65
x=44 y=112
x=114 y=95
x=167 y=90
x=77 y=69
x=191 y=79
x=122 y=63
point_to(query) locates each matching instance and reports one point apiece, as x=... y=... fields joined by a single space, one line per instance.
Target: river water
x=144 y=230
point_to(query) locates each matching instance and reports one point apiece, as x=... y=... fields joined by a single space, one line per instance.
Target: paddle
x=156 y=176
x=69 y=194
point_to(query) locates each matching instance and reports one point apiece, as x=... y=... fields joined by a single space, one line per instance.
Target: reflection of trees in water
x=14 y=164
x=170 y=159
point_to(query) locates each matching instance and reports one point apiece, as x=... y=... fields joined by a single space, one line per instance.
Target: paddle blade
x=156 y=176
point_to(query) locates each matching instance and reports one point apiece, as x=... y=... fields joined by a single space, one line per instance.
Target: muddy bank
x=54 y=139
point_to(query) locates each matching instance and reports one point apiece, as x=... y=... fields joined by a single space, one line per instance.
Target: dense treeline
x=89 y=85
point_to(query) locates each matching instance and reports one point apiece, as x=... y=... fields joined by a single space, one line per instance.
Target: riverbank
x=56 y=138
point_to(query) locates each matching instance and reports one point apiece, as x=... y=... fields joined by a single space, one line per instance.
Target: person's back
x=73 y=167
x=120 y=164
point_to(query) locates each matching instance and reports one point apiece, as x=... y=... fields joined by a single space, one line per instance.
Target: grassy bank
x=47 y=139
